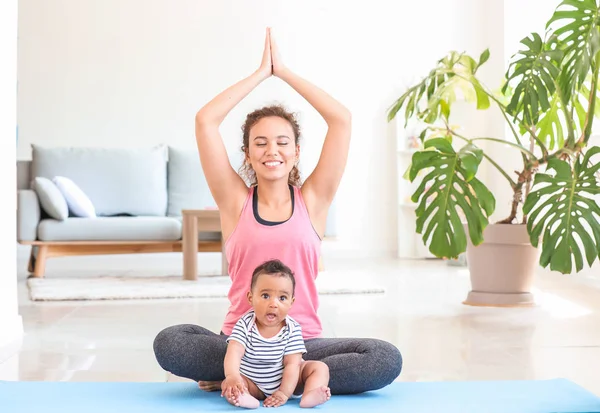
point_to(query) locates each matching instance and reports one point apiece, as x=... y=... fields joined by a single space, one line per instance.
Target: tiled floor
x=421 y=313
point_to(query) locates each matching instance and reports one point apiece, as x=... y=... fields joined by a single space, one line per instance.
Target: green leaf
x=579 y=38
x=431 y=99
x=445 y=109
x=560 y=210
x=484 y=196
x=448 y=189
x=583 y=102
x=470 y=157
x=485 y=55
x=534 y=72
x=550 y=127
x=483 y=101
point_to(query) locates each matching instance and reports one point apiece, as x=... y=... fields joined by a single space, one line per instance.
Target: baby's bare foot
x=245 y=400
x=209 y=385
x=315 y=397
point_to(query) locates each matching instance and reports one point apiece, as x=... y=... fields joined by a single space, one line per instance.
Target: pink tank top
x=293 y=242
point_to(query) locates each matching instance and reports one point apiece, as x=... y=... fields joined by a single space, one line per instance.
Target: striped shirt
x=263 y=359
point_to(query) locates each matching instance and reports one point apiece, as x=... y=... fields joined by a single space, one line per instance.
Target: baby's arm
x=233 y=383
x=291 y=373
x=289 y=381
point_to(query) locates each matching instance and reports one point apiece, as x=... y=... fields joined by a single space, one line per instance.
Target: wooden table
x=194 y=222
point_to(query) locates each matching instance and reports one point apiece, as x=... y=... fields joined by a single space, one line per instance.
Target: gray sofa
x=137 y=193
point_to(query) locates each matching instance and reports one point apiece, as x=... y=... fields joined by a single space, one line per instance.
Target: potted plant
x=549 y=99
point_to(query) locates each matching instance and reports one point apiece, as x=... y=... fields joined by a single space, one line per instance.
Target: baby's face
x=271 y=299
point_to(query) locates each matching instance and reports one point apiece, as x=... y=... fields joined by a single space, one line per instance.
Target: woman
x=275 y=218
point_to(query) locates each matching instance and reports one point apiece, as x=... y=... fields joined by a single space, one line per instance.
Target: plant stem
x=568 y=117
x=513 y=211
x=534 y=136
x=500 y=106
x=522 y=149
x=507 y=176
x=528 y=183
x=499 y=168
x=525 y=177
x=591 y=107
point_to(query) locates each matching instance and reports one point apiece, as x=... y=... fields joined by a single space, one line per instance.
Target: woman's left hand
x=278 y=66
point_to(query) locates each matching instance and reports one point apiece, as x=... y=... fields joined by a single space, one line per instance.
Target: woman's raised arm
x=226 y=186
x=320 y=187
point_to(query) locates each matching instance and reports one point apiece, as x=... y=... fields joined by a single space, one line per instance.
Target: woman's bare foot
x=315 y=397
x=209 y=385
x=244 y=400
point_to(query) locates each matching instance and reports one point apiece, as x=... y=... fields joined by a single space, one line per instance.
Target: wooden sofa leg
x=31 y=263
x=40 y=261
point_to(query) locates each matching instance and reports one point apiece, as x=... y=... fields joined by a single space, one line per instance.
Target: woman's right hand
x=266 y=65
x=233 y=386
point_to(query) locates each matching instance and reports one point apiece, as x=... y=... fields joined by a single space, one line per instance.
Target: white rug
x=135 y=287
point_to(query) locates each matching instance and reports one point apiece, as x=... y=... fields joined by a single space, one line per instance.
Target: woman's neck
x=273 y=193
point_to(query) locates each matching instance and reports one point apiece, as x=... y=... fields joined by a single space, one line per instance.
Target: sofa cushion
x=110 y=229
x=78 y=202
x=51 y=199
x=187 y=186
x=117 y=180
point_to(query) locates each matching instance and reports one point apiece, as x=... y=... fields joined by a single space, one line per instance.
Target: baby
x=264 y=351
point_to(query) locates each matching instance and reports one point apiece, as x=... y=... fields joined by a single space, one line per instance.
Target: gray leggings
x=356 y=365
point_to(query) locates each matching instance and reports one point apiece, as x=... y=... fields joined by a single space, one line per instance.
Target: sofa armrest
x=28 y=215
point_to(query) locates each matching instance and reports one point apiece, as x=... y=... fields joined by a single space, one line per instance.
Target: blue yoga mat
x=544 y=396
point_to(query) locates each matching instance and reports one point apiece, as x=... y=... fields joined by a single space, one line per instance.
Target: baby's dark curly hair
x=273 y=267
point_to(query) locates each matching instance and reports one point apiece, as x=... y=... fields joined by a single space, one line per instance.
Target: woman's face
x=272 y=150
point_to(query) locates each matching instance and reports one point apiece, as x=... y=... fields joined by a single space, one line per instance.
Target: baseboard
x=11 y=337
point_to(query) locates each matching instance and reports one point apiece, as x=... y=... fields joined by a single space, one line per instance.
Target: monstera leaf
x=550 y=127
x=449 y=186
x=534 y=71
x=579 y=39
x=431 y=99
x=567 y=204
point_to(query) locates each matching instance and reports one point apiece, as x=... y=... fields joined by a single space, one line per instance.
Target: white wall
x=134 y=73
x=11 y=326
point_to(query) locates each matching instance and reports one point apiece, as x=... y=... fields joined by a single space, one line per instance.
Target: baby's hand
x=232 y=387
x=275 y=400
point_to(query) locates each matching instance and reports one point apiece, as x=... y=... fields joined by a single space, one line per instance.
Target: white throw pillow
x=79 y=203
x=51 y=198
